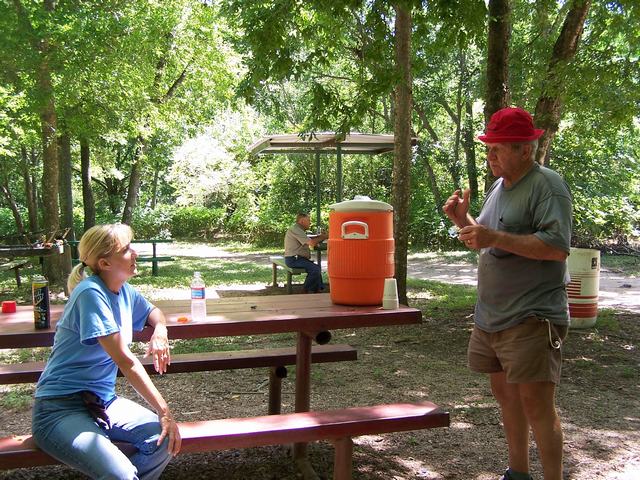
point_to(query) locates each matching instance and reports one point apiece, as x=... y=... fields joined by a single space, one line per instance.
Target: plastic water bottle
x=198 y=300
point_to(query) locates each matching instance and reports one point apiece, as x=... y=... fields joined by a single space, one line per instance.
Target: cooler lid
x=361 y=203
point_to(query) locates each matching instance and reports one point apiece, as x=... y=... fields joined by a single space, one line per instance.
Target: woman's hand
x=158 y=347
x=170 y=429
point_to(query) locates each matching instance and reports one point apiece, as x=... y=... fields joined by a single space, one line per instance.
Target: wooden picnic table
x=10 y=251
x=310 y=316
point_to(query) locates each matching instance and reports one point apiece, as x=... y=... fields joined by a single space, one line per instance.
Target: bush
x=154 y=223
x=7 y=223
x=196 y=222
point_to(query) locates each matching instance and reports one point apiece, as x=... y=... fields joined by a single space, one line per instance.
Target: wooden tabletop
x=30 y=251
x=230 y=316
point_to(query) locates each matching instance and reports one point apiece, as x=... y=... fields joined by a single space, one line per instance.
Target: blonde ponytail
x=76 y=276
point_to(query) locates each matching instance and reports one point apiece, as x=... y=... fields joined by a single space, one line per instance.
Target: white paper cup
x=390 y=294
x=390 y=304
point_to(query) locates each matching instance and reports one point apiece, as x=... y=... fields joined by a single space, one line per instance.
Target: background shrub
x=196 y=222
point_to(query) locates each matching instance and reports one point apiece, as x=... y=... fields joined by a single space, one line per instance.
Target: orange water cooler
x=360 y=250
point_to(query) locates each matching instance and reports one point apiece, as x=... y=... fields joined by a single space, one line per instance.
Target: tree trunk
x=29 y=190
x=468 y=143
x=433 y=182
x=65 y=188
x=88 y=202
x=136 y=168
x=52 y=266
x=402 y=148
x=133 y=190
x=66 y=197
x=35 y=158
x=469 y=146
x=154 y=187
x=498 y=95
x=549 y=106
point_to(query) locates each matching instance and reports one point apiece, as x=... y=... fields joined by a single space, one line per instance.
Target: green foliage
x=196 y=222
x=17 y=398
x=155 y=223
x=138 y=79
x=606 y=193
x=7 y=222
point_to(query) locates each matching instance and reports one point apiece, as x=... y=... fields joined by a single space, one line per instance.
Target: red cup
x=9 y=306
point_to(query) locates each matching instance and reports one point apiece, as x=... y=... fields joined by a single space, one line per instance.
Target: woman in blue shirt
x=77 y=413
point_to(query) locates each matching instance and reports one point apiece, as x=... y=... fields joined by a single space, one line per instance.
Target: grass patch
x=239 y=247
x=437 y=299
x=607 y=320
x=626 y=264
x=215 y=271
x=18 y=398
x=453 y=257
x=23 y=355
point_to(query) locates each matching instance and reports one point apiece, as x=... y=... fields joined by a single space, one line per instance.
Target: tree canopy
x=145 y=109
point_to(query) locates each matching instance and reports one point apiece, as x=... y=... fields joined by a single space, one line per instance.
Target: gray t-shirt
x=511 y=287
x=296 y=242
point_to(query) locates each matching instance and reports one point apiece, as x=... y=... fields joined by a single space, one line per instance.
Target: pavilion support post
x=318 y=190
x=338 y=173
x=318 y=213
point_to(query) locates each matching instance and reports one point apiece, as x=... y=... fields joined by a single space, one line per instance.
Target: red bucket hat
x=510 y=124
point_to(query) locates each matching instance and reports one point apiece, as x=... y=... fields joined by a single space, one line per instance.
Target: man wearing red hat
x=521 y=317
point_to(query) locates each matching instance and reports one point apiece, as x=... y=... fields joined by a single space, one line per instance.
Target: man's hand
x=457 y=208
x=158 y=347
x=476 y=236
x=528 y=246
x=320 y=237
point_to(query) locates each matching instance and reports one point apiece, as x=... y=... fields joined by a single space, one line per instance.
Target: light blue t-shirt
x=78 y=362
x=510 y=287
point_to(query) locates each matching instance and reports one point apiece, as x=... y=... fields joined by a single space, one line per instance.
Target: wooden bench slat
x=281 y=263
x=198 y=362
x=223 y=434
x=155 y=259
x=309 y=426
x=278 y=261
x=13 y=264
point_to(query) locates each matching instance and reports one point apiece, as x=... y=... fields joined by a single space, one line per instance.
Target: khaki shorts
x=528 y=352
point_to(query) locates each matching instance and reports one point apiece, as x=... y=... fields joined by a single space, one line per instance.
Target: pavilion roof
x=327 y=143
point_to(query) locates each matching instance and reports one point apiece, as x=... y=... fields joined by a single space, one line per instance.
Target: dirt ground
x=598 y=399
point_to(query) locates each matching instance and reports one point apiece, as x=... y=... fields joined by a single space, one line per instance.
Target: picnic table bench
x=276 y=359
x=278 y=261
x=15 y=265
x=336 y=426
x=153 y=258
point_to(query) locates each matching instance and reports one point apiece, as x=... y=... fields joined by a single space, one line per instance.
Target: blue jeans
x=63 y=428
x=313 y=282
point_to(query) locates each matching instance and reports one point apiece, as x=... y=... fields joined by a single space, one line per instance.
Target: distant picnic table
x=154 y=258
x=11 y=251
